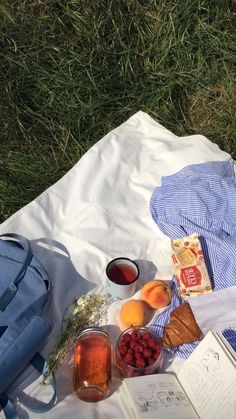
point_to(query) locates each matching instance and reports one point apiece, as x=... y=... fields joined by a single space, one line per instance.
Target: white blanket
x=100 y=210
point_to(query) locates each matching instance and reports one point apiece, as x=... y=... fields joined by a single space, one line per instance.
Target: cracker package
x=189 y=267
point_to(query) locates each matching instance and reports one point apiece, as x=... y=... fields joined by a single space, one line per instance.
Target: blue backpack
x=24 y=290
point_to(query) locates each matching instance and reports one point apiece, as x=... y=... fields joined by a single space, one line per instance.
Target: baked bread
x=182 y=327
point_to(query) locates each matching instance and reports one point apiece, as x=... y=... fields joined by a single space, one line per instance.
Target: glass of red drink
x=122 y=274
x=92 y=365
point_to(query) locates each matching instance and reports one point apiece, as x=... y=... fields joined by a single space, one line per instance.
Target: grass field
x=73 y=70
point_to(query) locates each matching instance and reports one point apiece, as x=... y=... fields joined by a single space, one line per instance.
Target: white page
x=157 y=396
x=209 y=379
x=222 y=341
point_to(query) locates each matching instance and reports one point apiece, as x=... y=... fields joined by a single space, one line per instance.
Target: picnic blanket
x=97 y=211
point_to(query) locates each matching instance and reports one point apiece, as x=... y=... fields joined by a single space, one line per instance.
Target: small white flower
x=88 y=311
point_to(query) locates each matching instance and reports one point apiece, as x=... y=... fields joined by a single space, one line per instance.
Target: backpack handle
x=9 y=293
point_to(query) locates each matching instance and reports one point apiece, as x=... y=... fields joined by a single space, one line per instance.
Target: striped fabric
x=201 y=199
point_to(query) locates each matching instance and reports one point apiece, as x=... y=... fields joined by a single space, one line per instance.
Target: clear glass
x=129 y=370
x=92 y=365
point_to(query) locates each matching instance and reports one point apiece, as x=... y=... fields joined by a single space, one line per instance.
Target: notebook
x=203 y=388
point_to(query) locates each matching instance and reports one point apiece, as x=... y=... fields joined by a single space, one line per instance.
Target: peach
x=156 y=293
x=133 y=313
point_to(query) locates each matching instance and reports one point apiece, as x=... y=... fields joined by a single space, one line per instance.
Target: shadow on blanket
x=57 y=259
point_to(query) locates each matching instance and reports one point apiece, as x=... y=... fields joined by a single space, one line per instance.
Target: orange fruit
x=156 y=293
x=133 y=313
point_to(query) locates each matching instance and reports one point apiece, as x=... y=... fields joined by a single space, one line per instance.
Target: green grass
x=72 y=70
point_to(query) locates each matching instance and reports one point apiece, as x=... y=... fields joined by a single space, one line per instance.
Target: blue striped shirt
x=201 y=198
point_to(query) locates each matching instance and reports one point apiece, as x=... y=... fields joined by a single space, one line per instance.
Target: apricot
x=133 y=313
x=156 y=293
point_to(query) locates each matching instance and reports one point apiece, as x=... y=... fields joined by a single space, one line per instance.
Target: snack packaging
x=189 y=267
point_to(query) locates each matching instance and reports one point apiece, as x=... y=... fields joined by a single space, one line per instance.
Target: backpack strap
x=9 y=293
x=8 y=408
x=35 y=406
x=32 y=404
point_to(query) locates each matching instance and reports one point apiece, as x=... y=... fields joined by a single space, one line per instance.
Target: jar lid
x=92 y=329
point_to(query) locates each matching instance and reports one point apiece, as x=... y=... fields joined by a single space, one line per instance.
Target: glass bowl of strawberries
x=138 y=351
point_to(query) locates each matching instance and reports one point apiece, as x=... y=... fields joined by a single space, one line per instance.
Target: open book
x=204 y=388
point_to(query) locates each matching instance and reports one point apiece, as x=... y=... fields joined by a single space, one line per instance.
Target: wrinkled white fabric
x=100 y=210
x=211 y=313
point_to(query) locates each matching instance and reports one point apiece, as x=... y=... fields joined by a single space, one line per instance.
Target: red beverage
x=92 y=370
x=122 y=273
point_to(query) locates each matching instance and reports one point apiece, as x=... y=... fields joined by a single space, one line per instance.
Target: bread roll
x=182 y=327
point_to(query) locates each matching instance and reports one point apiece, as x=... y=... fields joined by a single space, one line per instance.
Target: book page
x=155 y=396
x=223 y=342
x=209 y=379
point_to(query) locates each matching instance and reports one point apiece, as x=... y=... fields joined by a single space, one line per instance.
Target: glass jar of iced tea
x=92 y=365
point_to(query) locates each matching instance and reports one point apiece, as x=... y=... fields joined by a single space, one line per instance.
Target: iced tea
x=92 y=369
